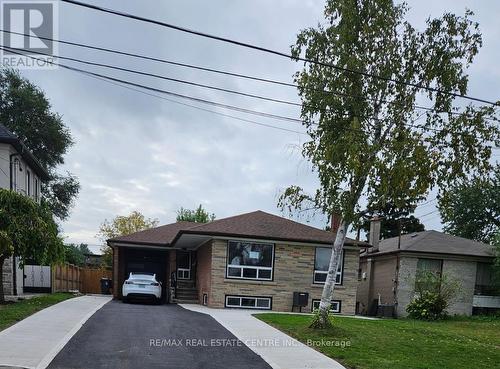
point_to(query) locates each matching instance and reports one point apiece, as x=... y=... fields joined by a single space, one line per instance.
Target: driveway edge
x=53 y=353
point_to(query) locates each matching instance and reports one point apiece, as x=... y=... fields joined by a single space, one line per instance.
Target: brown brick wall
x=116 y=273
x=204 y=265
x=293 y=271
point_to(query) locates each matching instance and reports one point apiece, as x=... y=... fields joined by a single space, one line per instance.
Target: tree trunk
x=322 y=320
x=2 y=297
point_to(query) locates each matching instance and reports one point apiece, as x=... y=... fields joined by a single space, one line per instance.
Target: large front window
x=250 y=260
x=322 y=262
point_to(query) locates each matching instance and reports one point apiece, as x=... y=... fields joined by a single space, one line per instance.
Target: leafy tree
x=120 y=226
x=75 y=254
x=199 y=215
x=392 y=221
x=471 y=209
x=26 y=111
x=27 y=230
x=367 y=139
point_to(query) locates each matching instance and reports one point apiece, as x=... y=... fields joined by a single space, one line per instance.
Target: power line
x=218 y=71
x=213 y=103
x=270 y=51
x=191 y=83
x=427 y=214
x=196 y=99
x=199 y=108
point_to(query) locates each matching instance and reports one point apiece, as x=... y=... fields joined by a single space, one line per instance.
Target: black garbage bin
x=106 y=285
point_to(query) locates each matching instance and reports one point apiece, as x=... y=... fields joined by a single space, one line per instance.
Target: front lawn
x=399 y=344
x=14 y=312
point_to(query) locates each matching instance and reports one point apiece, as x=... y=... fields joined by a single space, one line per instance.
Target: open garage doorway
x=146 y=261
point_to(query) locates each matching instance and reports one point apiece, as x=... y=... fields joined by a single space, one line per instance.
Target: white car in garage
x=141 y=285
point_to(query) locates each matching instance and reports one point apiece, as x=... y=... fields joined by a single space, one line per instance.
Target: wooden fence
x=91 y=279
x=66 y=278
x=69 y=277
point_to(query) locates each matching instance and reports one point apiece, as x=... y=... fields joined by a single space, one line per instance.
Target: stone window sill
x=250 y=281
x=337 y=286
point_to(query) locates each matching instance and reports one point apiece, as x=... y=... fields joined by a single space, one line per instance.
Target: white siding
x=6 y=151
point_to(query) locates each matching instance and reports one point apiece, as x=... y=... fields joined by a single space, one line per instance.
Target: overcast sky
x=137 y=152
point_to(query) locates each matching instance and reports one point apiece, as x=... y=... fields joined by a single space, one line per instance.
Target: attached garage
x=132 y=259
x=145 y=252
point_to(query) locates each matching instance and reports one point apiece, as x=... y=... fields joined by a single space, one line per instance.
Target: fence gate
x=37 y=278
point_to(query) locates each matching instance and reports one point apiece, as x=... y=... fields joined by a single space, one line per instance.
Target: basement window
x=250 y=260
x=248 y=302
x=335 y=307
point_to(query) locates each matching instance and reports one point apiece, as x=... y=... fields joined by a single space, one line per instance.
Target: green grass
x=13 y=313
x=401 y=344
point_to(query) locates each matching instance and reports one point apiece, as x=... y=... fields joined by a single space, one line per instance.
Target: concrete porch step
x=189 y=296
x=185 y=301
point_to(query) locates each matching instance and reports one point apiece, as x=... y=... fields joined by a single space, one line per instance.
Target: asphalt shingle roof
x=162 y=235
x=257 y=224
x=435 y=242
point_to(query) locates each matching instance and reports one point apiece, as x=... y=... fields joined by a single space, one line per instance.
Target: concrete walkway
x=36 y=340
x=278 y=349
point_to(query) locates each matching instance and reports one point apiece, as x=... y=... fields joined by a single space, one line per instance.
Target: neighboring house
x=387 y=271
x=93 y=260
x=255 y=260
x=20 y=172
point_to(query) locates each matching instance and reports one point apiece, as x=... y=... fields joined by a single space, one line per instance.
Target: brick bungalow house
x=388 y=270
x=254 y=260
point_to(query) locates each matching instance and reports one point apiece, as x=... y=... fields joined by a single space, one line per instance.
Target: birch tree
x=368 y=138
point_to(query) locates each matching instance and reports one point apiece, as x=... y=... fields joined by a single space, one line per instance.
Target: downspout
x=14 y=266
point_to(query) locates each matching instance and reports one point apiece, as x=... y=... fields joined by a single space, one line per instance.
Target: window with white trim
x=248 y=302
x=28 y=183
x=335 y=306
x=322 y=262
x=36 y=189
x=250 y=260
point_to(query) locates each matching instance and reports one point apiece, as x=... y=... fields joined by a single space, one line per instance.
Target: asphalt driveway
x=132 y=336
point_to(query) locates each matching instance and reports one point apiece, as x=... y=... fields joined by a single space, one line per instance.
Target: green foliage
x=6 y=248
x=433 y=295
x=367 y=139
x=319 y=322
x=26 y=111
x=453 y=343
x=391 y=221
x=13 y=313
x=471 y=208
x=75 y=254
x=199 y=215
x=427 y=306
x=122 y=225
x=30 y=229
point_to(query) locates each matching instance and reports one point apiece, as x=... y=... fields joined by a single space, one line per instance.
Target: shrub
x=433 y=294
x=427 y=306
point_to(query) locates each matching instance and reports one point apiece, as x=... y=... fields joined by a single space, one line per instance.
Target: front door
x=183 y=264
